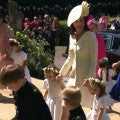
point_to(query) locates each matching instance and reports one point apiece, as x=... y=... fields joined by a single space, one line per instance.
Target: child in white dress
x=105 y=74
x=98 y=111
x=19 y=57
x=53 y=93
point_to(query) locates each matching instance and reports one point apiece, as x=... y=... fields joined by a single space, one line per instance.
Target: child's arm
x=86 y=83
x=24 y=59
x=45 y=94
x=45 y=86
x=5 y=56
x=115 y=65
x=62 y=86
x=100 y=114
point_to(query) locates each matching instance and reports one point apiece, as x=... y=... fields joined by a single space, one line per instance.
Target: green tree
x=37 y=57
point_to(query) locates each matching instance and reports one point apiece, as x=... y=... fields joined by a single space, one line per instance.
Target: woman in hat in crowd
x=82 y=51
x=93 y=26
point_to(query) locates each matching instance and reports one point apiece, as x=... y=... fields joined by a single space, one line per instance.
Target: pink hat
x=90 y=21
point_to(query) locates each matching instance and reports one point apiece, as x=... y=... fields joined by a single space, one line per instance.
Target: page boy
x=71 y=101
x=29 y=101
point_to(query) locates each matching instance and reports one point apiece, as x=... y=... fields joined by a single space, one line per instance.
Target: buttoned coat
x=82 y=59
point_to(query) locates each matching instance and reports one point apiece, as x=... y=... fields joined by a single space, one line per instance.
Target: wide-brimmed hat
x=77 y=12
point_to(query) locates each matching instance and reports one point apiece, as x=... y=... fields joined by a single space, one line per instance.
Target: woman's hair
x=73 y=30
x=100 y=84
x=51 y=68
x=11 y=73
x=72 y=95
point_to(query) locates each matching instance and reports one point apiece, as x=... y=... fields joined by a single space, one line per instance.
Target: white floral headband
x=97 y=81
x=50 y=69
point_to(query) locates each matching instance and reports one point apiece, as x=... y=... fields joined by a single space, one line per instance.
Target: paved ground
x=7 y=109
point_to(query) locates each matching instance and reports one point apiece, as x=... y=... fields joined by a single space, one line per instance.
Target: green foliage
x=64 y=33
x=63 y=22
x=37 y=57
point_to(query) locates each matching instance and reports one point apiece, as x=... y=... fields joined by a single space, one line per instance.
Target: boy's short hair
x=72 y=95
x=11 y=73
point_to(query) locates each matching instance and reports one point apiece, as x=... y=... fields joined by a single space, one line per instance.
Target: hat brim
x=77 y=12
x=74 y=15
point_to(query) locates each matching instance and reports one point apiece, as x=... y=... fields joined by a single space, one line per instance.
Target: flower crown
x=96 y=81
x=15 y=42
x=50 y=69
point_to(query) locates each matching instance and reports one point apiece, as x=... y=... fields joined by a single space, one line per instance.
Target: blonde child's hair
x=100 y=84
x=51 y=68
x=14 y=42
x=72 y=95
x=11 y=73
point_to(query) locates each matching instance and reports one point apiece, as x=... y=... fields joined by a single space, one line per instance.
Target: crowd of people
x=94 y=84
x=40 y=27
x=44 y=28
x=42 y=24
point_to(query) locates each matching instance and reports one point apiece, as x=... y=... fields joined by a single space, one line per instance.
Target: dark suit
x=30 y=104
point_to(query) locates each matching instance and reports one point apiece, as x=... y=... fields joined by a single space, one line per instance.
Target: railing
x=112 y=40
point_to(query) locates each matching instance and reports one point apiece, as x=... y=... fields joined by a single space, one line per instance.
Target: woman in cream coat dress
x=82 y=52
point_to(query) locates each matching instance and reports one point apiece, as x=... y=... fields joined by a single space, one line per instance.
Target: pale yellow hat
x=77 y=12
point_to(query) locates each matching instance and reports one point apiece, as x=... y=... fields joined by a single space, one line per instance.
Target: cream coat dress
x=82 y=58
